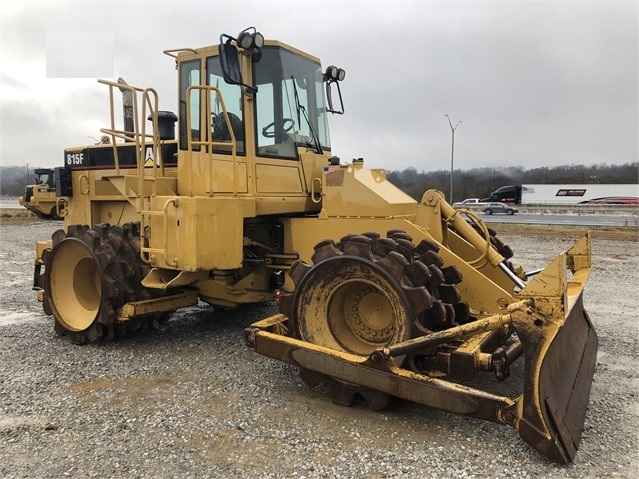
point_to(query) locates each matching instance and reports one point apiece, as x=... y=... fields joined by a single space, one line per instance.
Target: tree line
x=481 y=182
x=473 y=183
x=13 y=179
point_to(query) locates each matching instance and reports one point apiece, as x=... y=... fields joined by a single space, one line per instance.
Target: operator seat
x=220 y=130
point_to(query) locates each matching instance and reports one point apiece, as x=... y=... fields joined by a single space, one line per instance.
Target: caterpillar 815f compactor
x=379 y=295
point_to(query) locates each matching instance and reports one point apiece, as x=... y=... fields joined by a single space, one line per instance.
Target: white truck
x=611 y=194
x=469 y=202
x=584 y=194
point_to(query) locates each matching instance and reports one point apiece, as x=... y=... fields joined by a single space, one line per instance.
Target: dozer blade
x=560 y=351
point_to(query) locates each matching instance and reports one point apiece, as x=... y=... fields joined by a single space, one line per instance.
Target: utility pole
x=452 y=154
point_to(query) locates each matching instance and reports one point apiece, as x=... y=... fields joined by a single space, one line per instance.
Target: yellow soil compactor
x=379 y=295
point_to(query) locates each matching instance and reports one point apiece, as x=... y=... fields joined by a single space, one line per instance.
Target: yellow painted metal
x=277 y=179
x=552 y=291
x=169 y=278
x=434 y=201
x=196 y=233
x=436 y=215
x=354 y=192
x=164 y=303
x=224 y=289
x=464 y=331
x=41 y=246
x=374 y=371
x=560 y=364
x=75 y=285
x=43 y=201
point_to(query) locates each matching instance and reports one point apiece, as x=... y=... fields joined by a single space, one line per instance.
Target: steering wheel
x=278 y=127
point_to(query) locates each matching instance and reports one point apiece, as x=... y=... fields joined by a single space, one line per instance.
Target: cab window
x=289 y=104
x=189 y=75
x=231 y=96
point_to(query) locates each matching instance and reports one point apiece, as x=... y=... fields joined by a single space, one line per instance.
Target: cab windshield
x=289 y=104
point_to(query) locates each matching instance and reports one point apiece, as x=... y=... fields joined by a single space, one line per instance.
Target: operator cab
x=272 y=94
x=44 y=176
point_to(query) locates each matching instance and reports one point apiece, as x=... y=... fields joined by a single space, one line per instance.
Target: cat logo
x=149 y=162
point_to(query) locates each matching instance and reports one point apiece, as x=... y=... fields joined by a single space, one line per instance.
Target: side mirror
x=333 y=76
x=230 y=63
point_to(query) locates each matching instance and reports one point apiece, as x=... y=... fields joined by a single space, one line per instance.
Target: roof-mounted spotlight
x=334 y=74
x=250 y=38
x=258 y=40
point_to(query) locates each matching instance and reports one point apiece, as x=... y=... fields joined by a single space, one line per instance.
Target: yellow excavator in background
x=379 y=295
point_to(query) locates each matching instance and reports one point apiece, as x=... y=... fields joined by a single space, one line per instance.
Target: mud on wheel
x=89 y=274
x=367 y=292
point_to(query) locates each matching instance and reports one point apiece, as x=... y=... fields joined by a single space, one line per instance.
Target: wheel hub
x=368 y=314
x=75 y=285
x=353 y=305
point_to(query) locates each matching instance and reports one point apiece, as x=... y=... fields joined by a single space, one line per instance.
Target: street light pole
x=452 y=154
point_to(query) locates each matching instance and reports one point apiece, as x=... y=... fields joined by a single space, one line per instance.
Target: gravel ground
x=190 y=400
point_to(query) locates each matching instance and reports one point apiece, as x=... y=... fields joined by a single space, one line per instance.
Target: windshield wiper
x=301 y=110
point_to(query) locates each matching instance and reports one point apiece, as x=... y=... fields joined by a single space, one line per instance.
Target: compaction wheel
x=367 y=292
x=89 y=274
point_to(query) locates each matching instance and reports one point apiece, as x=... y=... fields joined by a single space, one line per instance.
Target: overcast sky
x=533 y=83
